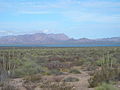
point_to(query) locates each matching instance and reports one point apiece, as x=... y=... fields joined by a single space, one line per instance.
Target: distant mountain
x=42 y=38
x=113 y=39
x=38 y=38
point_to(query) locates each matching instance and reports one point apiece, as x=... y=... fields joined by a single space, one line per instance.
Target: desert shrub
x=71 y=79
x=46 y=73
x=75 y=71
x=29 y=68
x=99 y=62
x=9 y=87
x=79 y=62
x=54 y=64
x=90 y=67
x=19 y=73
x=105 y=86
x=103 y=75
x=55 y=72
x=32 y=78
x=56 y=86
x=118 y=75
x=64 y=70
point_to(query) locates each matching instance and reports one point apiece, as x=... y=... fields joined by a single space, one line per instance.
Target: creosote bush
x=105 y=86
x=33 y=78
x=55 y=72
x=75 y=71
x=71 y=79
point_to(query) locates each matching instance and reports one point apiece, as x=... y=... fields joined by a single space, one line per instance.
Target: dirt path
x=82 y=84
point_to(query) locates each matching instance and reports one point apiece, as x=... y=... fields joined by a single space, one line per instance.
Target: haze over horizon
x=75 y=18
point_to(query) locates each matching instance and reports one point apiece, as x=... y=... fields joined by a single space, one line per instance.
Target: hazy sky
x=75 y=18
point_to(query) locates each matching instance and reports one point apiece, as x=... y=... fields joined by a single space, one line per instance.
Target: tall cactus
x=107 y=71
x=7 y=64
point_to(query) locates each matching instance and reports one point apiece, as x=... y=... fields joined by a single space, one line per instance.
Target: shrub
x=105 y=86
x=33 y=78
x=9 y=87
x=55 y=72
x=71 y=79
x=75 y=71
x=104 y=75
x=56 y=86
x=29 y=68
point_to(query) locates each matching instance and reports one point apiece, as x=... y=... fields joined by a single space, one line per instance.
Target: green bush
x=33 y=78
x=75 y=71
x=29 y=68
x=56 y=86
x=55 y=72
x=71 y=79
x=106 y=86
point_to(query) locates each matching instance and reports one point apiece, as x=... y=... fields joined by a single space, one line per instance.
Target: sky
x=75 y=18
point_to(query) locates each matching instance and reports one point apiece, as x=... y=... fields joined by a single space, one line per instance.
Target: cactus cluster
x=109 y=71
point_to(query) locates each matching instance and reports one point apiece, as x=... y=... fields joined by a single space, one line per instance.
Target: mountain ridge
x=61 y=38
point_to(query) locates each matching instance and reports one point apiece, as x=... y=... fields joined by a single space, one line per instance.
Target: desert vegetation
x=43 y=68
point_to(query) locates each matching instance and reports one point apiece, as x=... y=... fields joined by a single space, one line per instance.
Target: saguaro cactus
x=7 y=64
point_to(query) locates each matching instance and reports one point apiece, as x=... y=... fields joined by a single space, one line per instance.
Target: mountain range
x=43 y=38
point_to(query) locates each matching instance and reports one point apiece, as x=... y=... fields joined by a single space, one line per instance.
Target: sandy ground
x=82 y=84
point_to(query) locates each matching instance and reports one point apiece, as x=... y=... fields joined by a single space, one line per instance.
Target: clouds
x=94 y=11
x=59 y=6
x=46 y=31
x=77 y=16
x=33 y=6
x=78 y=10
x=84 y=8
x=100 y=3
x=9 y=28
x=35 y=12
x=6 y=32
x=59 y=15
